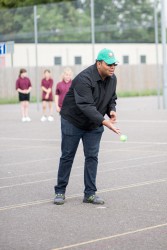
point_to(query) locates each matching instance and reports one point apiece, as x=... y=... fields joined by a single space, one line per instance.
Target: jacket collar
x=96 y=75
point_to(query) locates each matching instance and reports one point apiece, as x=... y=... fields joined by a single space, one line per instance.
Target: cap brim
x=111 y=61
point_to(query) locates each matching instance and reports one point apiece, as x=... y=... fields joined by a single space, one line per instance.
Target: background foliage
x=70 y=21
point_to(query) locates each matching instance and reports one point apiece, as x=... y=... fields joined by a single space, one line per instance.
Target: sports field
x=132 y=179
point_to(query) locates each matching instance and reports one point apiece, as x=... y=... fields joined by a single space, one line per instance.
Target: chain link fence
x=67 y=22
x=71 y=22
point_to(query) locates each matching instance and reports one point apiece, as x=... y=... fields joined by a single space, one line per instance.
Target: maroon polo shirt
x=23 y=83
x=61 y=90
x=47 y=84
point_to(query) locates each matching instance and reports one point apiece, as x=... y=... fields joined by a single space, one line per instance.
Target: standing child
x=63 y=87
x=47 y=97
x=23 y=86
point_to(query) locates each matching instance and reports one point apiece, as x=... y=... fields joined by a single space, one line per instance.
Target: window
x=57 y=60
x=125 y=59
x=143 y=59
x=78 y=60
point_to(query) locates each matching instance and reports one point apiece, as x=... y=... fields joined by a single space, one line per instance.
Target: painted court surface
x=132 y=179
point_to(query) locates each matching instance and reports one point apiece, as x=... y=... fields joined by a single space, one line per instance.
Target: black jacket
x=89 y=99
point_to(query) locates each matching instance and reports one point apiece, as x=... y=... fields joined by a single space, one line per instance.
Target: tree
x=136 y=22
x=20 y=3
x=70 y=21
x=124 y=21
x=63 y=22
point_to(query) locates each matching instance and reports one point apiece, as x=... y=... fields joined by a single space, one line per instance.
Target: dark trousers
x=71 y=136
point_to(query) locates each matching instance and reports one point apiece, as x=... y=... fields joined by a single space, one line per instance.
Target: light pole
x=36 y=54
x=93 y=30
x=157 y=54
x=164 y=54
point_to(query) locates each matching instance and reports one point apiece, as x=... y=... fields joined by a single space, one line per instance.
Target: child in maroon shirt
x=23 y=86
x=62 y=88
x=47 y=97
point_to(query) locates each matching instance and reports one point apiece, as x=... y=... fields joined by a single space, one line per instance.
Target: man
x=91 y=96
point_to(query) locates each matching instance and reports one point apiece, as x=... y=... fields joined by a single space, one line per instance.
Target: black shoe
x=93 y=199
x=59 y=199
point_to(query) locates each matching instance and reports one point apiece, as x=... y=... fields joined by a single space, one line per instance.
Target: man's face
x=105 y=69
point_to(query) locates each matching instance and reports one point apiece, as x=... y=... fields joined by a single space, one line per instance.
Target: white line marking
x=26 y=183
x=133 y=185
x=100 y=171
x=59 y=140
x=29 y=147
x=21 y=205
x=113 y=236
x=137 y=142
x=28 y=162
x=141 y=121
x=25 y=175
x=134 y=166
x=29 y=139
x=140 y=184
x=101 y=207
x=51 y=179
x=48 y=159
x=132 y=159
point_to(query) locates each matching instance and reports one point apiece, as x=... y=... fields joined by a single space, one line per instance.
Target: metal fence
x=113 y=21
x=81 y=21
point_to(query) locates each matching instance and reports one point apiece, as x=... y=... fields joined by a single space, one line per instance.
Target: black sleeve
x=112 y=104
x=84 y=99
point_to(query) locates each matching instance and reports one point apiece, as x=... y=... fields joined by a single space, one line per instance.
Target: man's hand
x=110 y=125
x=113 y=117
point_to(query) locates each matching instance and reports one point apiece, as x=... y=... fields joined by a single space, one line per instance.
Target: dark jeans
x=71 y=136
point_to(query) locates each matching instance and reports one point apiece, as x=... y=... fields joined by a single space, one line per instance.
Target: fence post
x=164 y=61
x=36 y=54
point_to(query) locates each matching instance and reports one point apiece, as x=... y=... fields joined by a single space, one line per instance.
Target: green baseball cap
x=107 y=56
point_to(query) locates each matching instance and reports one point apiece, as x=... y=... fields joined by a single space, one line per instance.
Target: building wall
x=25 y=54
x=133 y=76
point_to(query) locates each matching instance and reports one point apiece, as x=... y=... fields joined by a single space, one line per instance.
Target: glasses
x=109 y=65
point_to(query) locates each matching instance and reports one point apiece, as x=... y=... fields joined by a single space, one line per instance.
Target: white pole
x=67 y=57
x=164 y=55
x=28 y=61
x=36 y=54
x=93 y=30
x=157 y=55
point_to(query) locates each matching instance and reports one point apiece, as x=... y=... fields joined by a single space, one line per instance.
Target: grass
x=14 y=100
x=147 y=92
x=8 y=101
